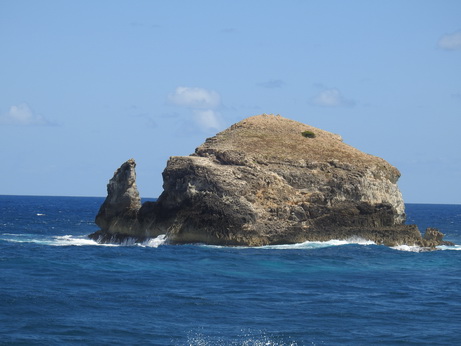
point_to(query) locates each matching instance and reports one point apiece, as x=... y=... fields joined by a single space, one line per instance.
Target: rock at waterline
x=265 y=180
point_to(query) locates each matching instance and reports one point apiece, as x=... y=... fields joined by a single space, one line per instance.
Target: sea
x=57 y=287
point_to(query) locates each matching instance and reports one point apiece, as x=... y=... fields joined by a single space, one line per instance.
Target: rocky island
x=265 y=180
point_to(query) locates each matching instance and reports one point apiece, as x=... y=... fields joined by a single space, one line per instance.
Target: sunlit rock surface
x=262 y=182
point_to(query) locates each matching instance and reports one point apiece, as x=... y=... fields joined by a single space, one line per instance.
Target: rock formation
x=265 y=180
x=122 y=203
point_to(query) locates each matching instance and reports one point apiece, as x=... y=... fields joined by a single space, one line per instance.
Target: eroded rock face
x=261 y=182
x=118 y=212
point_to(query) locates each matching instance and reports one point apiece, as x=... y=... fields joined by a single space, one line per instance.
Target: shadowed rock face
x=262 y=182
x=121 y=206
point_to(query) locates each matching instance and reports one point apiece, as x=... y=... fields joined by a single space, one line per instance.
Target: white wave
x=65 y=240
x=448 y=247
x=40 y=214
x=321 y=244
x=23 y=238
x=409 y=248
x=154 y=242
x=414 y=248
x=69 y=240
x=306 y=244
x=131 y=241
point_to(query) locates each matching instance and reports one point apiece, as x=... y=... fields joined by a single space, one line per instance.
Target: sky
x=87 y=85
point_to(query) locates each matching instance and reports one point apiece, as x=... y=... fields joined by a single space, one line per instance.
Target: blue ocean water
x=57 y=287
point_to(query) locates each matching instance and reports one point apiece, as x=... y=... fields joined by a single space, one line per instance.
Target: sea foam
x=65 y=240
x=69 y=240
x=306 y=244
x=155 y=242
x=448 y=247
x=409 y=248
x=321 y=244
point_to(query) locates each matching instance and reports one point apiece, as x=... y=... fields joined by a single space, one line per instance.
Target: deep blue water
x=59 y=288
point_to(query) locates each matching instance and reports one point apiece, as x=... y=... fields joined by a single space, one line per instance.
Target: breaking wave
x=321 y=244
x=409 y=248
x=307 y=244
x=70 y=240
x=155 y=242
x=446 y=247
x=414 y=248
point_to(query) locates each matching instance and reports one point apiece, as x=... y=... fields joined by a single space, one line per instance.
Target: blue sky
x=86 y=85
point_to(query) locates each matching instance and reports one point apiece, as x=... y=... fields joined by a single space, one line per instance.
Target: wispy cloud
x=208 y=119
x=203 y=104
x=271 y=84
x=450 y=41
x=22 y=115
x=331 y=97
x=193 y=97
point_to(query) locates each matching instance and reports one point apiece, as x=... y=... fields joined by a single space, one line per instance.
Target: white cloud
x=203 y=104
x=208 y=119
x=331 y=98
x=450 y=41
x=22 y=115
x=197 y=98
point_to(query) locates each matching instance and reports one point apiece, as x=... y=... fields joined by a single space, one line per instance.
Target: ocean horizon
x=59 y=287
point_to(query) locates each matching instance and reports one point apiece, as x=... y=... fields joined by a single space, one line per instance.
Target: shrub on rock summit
x=308 y=134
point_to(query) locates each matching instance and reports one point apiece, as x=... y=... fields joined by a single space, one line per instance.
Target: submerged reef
x=265 y=180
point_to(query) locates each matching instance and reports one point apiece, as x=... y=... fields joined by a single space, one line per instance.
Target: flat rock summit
x=264 y=180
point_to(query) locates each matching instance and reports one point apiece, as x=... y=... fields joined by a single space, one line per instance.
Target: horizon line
x=81 y=196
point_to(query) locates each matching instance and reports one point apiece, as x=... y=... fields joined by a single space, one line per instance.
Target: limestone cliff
x=122 y=203
x=265 y=180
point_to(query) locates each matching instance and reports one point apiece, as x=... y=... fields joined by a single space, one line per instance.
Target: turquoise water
x=58 y=287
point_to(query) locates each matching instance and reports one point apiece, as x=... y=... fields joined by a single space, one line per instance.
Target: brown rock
x=262 y=182
x=119 y=211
